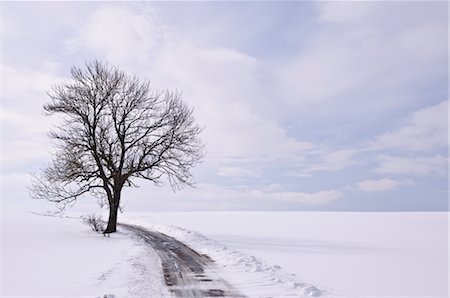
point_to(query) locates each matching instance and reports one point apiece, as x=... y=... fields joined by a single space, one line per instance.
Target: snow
x=50 y=256
x=248 y=274
x=331 y=253
x=261 y=254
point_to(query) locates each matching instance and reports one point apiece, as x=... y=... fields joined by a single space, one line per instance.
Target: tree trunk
x=112 y=221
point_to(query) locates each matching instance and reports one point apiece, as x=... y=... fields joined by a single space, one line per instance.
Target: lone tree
x=115 y=130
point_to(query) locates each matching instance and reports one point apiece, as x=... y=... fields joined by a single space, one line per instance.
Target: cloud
x=15 y=120
x=334 y=161
x=313 y=198
x=420 y=166
x=13 y=190
x=330 y=12
x=283 y=97
x=120 y=34
x=379 y=185
x=363 y=50
x=24 y=140
x=26 y=87
x=237 y=172
x=426 y=130
x=321 y=160
x=223 y=84
x=9 y=29
x=21 y=156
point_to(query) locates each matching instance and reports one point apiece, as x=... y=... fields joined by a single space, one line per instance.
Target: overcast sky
x=306 y=105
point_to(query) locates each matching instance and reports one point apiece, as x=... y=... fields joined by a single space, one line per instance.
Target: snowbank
x=347 y=254
x=61 y=257
x=278 y=254
x=250 y=275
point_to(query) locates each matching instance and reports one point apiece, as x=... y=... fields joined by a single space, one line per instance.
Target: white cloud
x=120 y=34
x=221 y=83
x=18 y=120
x=258 y=100
x=323 y=160
x=203 y=197
x=433 y=165
x=237 y=172
x=19 y=156
x=24 y=127
x=313 y=198
x=379 y=185
x=13 y=187
x=363 y=49
x=426 y=130
x=26 y=87
x=335 y=161
x=218 y=197
x=24 y=140
x=222 y=91
x=8 y=28
x=340 y=13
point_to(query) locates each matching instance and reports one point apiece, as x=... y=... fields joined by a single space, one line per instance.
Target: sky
x=325 y=106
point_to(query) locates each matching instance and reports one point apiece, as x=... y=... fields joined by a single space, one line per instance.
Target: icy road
x=186 y=272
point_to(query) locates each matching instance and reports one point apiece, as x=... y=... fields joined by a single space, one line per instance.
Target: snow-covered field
x=46 y=256
x=346 y=254
x=274 y=254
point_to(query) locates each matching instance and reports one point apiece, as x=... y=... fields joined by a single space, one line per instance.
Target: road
x=186 y=272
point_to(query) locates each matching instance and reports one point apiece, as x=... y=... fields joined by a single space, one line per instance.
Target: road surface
x=186 y=272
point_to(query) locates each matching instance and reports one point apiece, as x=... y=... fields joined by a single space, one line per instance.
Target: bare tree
x=115 y=130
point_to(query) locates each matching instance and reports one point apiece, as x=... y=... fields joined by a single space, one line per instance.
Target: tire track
x=186 y=272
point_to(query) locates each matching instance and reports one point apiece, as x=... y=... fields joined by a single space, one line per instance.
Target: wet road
x=186 y=272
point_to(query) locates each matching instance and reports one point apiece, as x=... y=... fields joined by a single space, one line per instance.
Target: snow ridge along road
x=186 y=272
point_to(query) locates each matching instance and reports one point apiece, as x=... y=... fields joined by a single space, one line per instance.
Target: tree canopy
x=116 y=130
